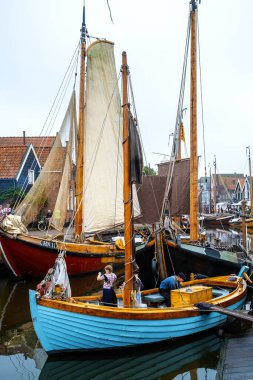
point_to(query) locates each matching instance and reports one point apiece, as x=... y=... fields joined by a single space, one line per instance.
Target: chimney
x=23 y=137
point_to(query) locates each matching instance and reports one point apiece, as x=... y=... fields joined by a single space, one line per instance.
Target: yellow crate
x=190 y=295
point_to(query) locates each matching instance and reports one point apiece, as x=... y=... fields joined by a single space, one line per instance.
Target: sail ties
x=55 y=284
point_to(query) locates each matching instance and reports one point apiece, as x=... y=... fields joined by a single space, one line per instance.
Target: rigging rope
x=109 y=10
x=51 y=117
x=178 y=122
x=201 y=96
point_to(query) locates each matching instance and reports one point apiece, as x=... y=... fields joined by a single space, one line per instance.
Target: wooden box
x=190 y=295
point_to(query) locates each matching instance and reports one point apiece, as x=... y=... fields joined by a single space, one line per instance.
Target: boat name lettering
x=48 y=244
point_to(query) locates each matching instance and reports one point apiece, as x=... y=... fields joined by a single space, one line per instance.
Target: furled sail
x=44 y=192
x=179 y=192
x=60 y=210
x=136 y=158
x=103 y=153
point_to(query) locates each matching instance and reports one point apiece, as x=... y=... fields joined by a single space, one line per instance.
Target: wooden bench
x=153 y=300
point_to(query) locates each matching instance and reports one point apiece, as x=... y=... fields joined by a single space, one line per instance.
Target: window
x=30 y=177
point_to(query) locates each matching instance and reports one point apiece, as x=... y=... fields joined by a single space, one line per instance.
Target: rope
x=109 y=10
x=142 y=146
x=178 y=122
x=201 y=96
x=53 y=113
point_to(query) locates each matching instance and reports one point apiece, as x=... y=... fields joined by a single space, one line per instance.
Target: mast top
x=194 y=4
x=83 y=29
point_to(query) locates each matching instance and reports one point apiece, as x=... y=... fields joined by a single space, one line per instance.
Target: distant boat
x=216 y=220
x=237 y=223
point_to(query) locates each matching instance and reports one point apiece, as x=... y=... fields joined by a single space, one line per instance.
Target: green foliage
x=10 y=195
x=147 y=170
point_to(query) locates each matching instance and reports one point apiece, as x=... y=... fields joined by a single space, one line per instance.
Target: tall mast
x=127 y=189
x=80 y=137
x=193 y=129
x=214 y=186
x=250 y=181
x=210 y=194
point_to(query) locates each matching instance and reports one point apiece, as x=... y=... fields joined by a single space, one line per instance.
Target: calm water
x=21 y=356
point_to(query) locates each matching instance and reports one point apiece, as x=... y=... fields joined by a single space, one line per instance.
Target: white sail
x=60 y=209
x=103 y=153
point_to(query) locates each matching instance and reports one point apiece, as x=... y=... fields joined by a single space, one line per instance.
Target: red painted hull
x=32 y=260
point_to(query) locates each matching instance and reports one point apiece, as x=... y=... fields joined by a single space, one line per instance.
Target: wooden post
x=127 y=190
x=193 y=130
x=80 y=137
x=244 y=232
x=214 y=187
x=210 y=194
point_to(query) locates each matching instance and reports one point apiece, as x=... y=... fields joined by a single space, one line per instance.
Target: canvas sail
x=179 y=191
x=44 y=192
x=60 y=210
x=103 y=206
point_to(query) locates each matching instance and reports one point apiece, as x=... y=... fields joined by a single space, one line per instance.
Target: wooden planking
x=190 y=295
x=236 y=361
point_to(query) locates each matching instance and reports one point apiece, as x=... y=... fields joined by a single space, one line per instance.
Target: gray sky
x=38 y=39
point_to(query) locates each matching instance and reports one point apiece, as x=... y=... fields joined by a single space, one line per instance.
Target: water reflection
x=167 y=361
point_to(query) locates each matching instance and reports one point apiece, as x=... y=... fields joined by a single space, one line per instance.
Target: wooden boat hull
x=65 y=326
x=33 y=256
x=207 y=261
x=217 y=221
x=238 y=224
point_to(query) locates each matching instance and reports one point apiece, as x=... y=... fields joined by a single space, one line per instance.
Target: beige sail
x=43 y=194
x=103 y=163
x=60 y=210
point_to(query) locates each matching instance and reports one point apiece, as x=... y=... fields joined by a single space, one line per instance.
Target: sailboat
x=83 y=323
x=193 y=254
x=97 y=171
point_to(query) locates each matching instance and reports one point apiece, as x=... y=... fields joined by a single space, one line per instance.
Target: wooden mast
x=214 y=186
x=127 y=190
x=80 y=136
x=193 y=130
x=210 y=194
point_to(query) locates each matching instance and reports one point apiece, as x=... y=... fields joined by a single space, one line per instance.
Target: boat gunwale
x=239 y=292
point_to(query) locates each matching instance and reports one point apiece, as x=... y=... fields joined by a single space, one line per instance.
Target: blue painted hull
x=60 y=330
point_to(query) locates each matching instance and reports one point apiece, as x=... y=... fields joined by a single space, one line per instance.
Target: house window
x=30 y=177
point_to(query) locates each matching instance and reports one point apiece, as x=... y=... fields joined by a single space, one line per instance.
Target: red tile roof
x=42 y=146
x=10 y=160
x=36 y=141
x=229 y=180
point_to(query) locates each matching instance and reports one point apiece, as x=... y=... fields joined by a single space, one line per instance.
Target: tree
x=147 y=170
x=10 y=195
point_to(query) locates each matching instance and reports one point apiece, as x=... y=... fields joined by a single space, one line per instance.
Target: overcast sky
x=38 y=39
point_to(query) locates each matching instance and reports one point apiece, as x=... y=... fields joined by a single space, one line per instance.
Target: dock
x=236 y=357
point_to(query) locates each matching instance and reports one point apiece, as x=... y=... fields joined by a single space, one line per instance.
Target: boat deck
x=236 y=358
